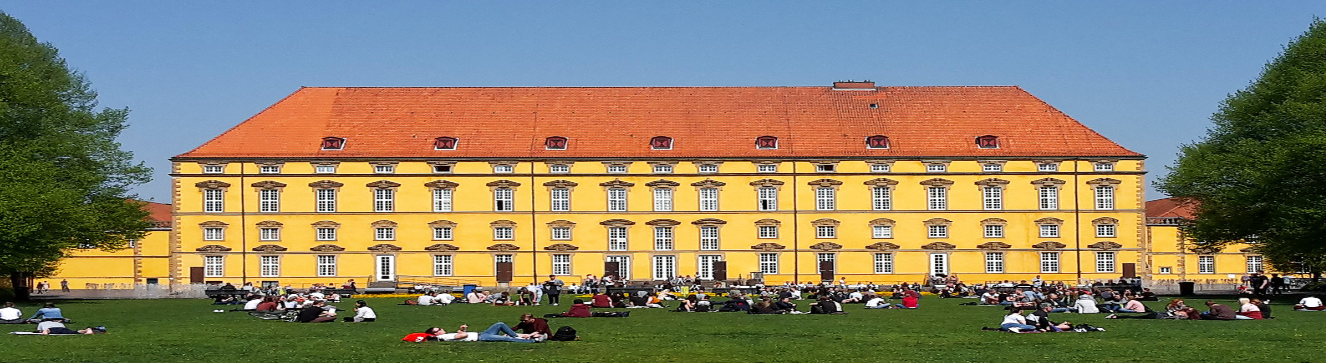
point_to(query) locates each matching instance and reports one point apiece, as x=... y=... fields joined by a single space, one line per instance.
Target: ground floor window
x=561 y=265
x=705 y=271
x=326 y=265
x=443 y=265
x=938 y=264
x=214 y=266
x=623 y=266
x=1104 y=261
x=994 y=262
x=1254 y=264
x=665 y=267
x=1205 y=264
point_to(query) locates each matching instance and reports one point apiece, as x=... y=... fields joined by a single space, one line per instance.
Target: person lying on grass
x=1176 y=309
x=498 y=332
x=55 y=327
x=581 y=310
x=1310 y=303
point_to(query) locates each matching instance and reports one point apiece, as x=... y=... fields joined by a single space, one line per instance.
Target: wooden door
x=504 y=272
x=1129 y=270
x=612 y=268
x=195 y=275
x=826 y=270
x=720 y=270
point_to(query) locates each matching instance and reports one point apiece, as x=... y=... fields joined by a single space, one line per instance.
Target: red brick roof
x=618 y=122
x=160 y=213
x=1171 y=208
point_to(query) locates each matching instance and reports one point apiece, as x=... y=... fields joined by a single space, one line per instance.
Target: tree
x=64 y=181
x=1259 y=174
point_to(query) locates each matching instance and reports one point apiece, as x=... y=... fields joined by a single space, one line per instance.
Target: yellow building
x=497 y=185
x=1175 y=256
x=144 y=262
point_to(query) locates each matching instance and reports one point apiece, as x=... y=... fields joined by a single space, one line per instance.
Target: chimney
x=854 y=85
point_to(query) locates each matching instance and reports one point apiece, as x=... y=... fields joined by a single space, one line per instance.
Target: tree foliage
x=1261 y=170
x=64 y=181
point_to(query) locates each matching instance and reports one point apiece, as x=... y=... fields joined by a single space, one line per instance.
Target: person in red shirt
x=267 y=304
x=909 y=302
x=530 y=324
x=602 y=300
x=581 y=310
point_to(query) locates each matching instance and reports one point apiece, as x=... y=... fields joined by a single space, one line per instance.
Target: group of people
x=49 y=319
x=45 y=286
x=531 y=330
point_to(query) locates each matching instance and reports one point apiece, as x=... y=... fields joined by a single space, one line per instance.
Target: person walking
x=553 y=288
x=64 y=285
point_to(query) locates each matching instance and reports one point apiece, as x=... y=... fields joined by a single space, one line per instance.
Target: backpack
x=564 y=334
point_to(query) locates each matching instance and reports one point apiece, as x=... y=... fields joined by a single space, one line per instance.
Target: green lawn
x=176 y=330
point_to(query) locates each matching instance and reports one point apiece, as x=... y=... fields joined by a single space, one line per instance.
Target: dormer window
x=445 y=143
x=825 y=168
x=555 y=143
x=877 y=142
x=269 y=169
x=660 y=143
x=1104 y=166
x=384 y=169
x=333 y=143
x=987 y=142
x=213 y=169
x=766 y=142
x=662 y=168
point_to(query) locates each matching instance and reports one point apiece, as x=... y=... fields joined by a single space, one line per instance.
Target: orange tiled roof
x=1171 y=208
x=618 y=122
x=160 y=213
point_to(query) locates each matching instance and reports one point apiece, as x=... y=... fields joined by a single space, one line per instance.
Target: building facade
x=143 y=261
x=510 y=185
x=1176 y=256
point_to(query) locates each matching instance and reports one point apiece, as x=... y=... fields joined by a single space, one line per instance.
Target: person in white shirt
x=537 y=290
x=253 y=302
x=1086 y=305
x=317 y=295
x=363 y=313
x=876 y=302
x=11 y=315
x=443 y=299
x=426 y=299
x=1015 y=322
x=1310 y=303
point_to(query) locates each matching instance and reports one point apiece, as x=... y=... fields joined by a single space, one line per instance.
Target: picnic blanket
x=36 y=333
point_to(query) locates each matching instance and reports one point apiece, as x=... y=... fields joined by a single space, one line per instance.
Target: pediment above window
x=937 y=182
x=939 y=246
x=882 y=246
x=662 y=183
x=708 y=183
x=1105 y=245
x=617 y=222
x=383 y=184
x=617 y=183
x=767 y=183
x=441 y=184
x=268 y=184
x=213 y=248
x=384 y=247
x=881 y=182
x=767 y=246
x=826 y=246
x=326 y=184
x=561 y=247
x=663 y=222
x=503 y=247
x=269 y=248
x=1049 y=245
x=994 y=246
x=709 y=222
x=442 y=247
x=212 y=184
x=327 y=248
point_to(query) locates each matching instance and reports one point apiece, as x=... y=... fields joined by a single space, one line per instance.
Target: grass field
x=180 y=330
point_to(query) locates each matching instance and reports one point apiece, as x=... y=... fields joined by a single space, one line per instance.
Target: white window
x=214 y=266
x=1254 y=264
x=879 y=168
x=504 y=168
x=1049 y=198
x=662 y=200
x=559 y=168
x=709 y=238
x=768 y=198
x=616 y=199
x=937 y=231
x=709 y=199
x=825 y=168
x=1205 y=264
x=443 y=168
x=384 y=168
x=994 y=231
x=766 y=168
x=1105 y=230
x=881 y=198
x=561 y=265
x=938 y=264
x=214 y=234
x=269 y=234
x=1047 y=167
x=324 y=169
x=623 y=266
x=384 y=200
x=705 y=270
x=662 y=168
x=443 y=265
x=269 y=200
x=994 y=198
x=665 y=267
x=662 y=238
x=561 y=199
x=616 y=238
x=826 y=232
x=824 y=198
x=326 y=200
x=1049 y=231
x=269 y=266
x=1049 y=262
x=269 y=169
x=326 y=265
x=442 y=233
x=504 y=233
x=326 y=234
x=1165 y=270
x=384 y=233
x=936 y=168
x=504 y=200
x=707 y=168
x=616 y=169
x=768 y=231
x=994 y=262
x=769 y=263
x=213 y=169
x=992 y=167
x=1104 y=261
x=561 y=233
x=1104 y=197
x=442 y=200
x=938 y=198
x=883 y=263
x=882 y=231
x=1104 y=166
x=213 y=200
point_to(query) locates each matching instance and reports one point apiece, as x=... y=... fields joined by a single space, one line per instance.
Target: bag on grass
x=564 y=334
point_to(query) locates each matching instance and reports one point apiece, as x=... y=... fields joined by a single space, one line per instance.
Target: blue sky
x=1146 y=74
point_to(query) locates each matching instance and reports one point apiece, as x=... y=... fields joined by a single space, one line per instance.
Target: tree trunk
x=19 y=281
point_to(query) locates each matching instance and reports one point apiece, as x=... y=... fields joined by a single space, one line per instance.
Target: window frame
x=214 y=266
x=504 y=200
x=326 y=265
x=708 y=199
x=269 y=266
x=444 y=265
x=994 y=262
x=768 y=263
x=559 y=199
x=883 y=263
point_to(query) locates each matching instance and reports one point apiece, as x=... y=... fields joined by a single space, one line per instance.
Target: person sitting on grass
x=1015 y=322
x=785 y=304
x=909 y=301
x=990 y=297
x=763 y=307
x=502 y=299
x=1218 y=312
x=1086 y=304
x=443 y=298
x=688 y=305
x=48 y=313
x=1310 y=303
x=526 y=297
x=1248 y=311
x=426 y=299
x=252 y=303
x=363 y=313
x=476 y=296
x=1263 y=307
x=602 y=300
x=11 y=315
x=736 y=303
x=581 y=310
x=1176 y=309
x=826 y=305
x=1059 y=304
x=877 y=302
x=267 y=304
x=530 y=325
x=1043 y=323
x=315 y=313
x=1132 y=306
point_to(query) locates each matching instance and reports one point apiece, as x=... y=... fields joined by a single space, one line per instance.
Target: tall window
x=769 y=263
x=326 y=200
x=1205 y=264
x=269 y=266
x=827 y=257
x=994 y=231
x=442 y=200
x=384 y=233
x=994 y=262
x=1049 y=262
x=561 y=233
x=326 y=234
x=994 y=198
x=213 y=200
x=561 y=199
x=443 y=266
x=504 y=200
x=504 y=233
x=938 y=263
x=1049 y=197
x=561 y=265
x=326 y=265
x=214 y=266
x=824 y=198
x=662 y=200
x=1104 y=261
x=938 y=198
x=709 y=199
x=768 y=198
x=826 y=232
x=881 y=231
x=269 y=200
x=937 y=231
x=706 y=268
x=709 y=238
x=504 y=258
x=616 y=238
x=1104 y=197
x=616 y=199
x=214 y=234
x=768 y=231
x=384 y=200
x=442 y=233
x=1105 y=230
x=1254 y=264
x=883 y=263
x=881 y=198
x=665 y=267
x=662 y=238
x=1049 y=231
x=269 y=234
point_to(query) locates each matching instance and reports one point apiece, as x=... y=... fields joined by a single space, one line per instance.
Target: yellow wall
x=147 y=259
x=1173 y=251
